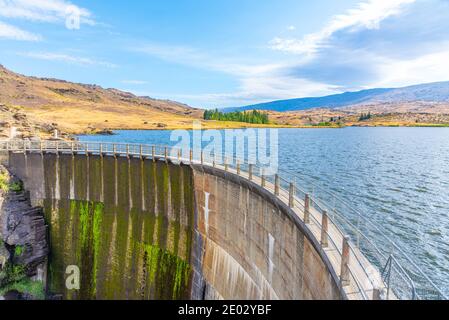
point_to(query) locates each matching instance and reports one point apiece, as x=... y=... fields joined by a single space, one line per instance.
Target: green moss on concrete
x=96 y=232
x=123 y=252
x=168 y=274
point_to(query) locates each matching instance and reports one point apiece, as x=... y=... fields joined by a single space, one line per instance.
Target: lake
x=396 y=177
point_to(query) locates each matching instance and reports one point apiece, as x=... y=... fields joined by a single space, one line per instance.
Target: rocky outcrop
x=23 y=236
x=24 y=231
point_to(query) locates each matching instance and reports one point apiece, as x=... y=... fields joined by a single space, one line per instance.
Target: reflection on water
x=398 y=177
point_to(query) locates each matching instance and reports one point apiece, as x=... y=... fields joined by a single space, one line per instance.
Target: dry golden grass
x=76 y=108
x=87 y=119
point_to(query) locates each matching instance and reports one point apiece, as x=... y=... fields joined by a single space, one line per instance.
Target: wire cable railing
x=349 y=239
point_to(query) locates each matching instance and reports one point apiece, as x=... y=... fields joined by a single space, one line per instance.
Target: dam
x=150 y=222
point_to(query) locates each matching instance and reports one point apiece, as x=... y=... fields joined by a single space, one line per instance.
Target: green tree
x=255 y=117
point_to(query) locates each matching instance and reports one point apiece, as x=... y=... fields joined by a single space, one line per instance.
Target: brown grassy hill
x=37 y=106
x=382 y=114
x=78 y=108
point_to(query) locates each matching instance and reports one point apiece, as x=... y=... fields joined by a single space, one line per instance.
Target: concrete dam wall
x=143 y=229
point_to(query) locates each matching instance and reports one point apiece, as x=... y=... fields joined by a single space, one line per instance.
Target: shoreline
x=261 y=127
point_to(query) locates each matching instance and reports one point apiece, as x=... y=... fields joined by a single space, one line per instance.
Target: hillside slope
x=77 y=108
x=432 y=92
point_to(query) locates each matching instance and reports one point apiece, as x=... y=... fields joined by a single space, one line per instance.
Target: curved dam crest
x=143 y=229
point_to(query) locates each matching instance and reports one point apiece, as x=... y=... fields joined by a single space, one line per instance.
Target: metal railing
x=407 y=280
x=365 y=271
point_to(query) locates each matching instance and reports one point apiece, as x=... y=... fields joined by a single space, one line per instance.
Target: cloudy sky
x=225 y=53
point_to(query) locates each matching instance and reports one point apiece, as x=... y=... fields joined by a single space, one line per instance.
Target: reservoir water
x=396 y=177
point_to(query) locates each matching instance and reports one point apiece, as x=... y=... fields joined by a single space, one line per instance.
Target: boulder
x=20 y=116
x=105 y=132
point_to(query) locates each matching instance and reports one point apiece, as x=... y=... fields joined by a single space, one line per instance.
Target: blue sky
x=224 y=53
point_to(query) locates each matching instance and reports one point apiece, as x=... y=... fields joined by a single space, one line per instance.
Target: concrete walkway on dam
x=328 y=265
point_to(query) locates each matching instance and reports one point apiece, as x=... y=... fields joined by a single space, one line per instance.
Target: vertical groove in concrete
x=239 y=242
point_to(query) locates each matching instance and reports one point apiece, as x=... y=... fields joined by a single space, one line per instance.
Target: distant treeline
x=365 y=116
x=254 y=116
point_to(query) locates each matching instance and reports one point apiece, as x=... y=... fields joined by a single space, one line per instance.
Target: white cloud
x=42 y=10
x=251 y=91
x=291 y=28
x=259 y=82
x=10 y=32
x=366 y=15
x=50 y=11
x=379 y=43
x=67 y=58
x=195 y=58
x=432 y=67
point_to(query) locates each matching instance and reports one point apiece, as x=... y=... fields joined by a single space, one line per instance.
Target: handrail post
x=291 y=195
x=344 y=274
x=141 y=151
x=40 y=146
x=376 y=294
x=166 y=154
x=101 y=150
x=307 y=209
x=57 y=147
x=114 y=149
x=179 y=155
x=86 y=148
x=127 y=150
x=153 y=153
x=387 y=269
x=276 y=184
x=324 y=230
x=238 y=167
x=202 y=157
x=262 y=178
x=226 y=164
x=250 y=172
x=191 y=155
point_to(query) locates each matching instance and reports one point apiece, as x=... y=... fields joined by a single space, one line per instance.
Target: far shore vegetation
x=365 y=116
x=254 y=117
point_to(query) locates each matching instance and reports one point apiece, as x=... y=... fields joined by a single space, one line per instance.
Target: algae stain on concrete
x=125 y=249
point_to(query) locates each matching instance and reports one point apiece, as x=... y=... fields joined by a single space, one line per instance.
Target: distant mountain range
x=430 y=92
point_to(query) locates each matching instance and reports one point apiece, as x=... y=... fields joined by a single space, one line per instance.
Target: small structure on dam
x=140 y=224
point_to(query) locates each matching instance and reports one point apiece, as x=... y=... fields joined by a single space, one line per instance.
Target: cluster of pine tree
x=365 y=116
x=254 y=116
